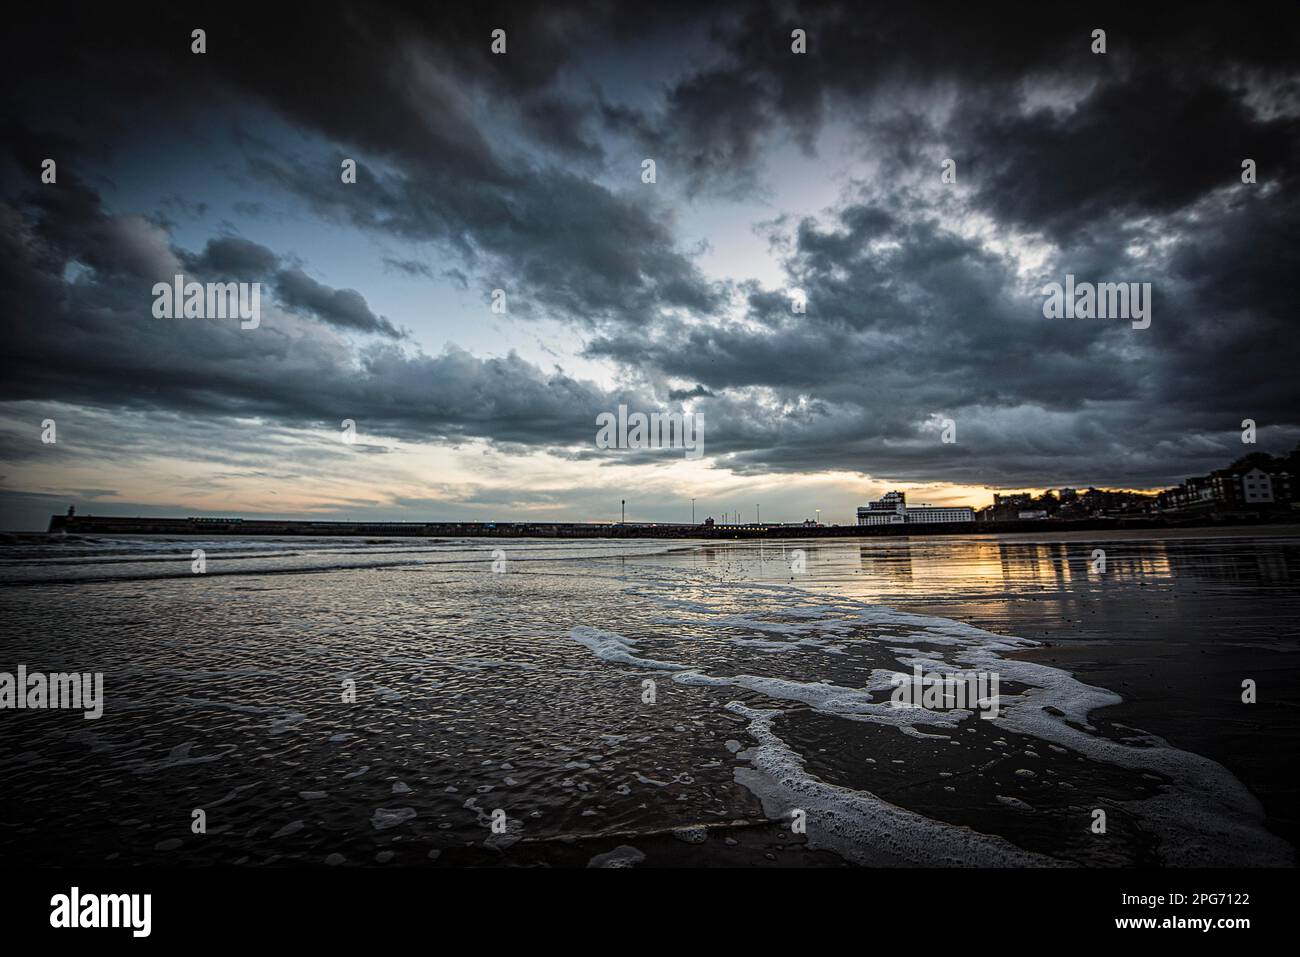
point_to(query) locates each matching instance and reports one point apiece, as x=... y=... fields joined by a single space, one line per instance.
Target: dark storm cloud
x=345 y=308
x=94 y=341
x=1124 y=167
x=1142 y=145
x=560 y=125
x=1165 y=110
x=924 y=319
x=715 y=125
x=233 y=257
x=1147 y=145
x=715 y=119
x=549 y=237
x=71 y=224
x=930 y=324
x=236 y=257
x=451 y=176
x=544 y=230
x=699 y=392
x=170 y=381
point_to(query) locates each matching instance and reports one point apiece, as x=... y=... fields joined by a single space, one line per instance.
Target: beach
x=624 y=703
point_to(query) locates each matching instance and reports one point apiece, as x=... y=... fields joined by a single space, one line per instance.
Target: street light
x=692 y=511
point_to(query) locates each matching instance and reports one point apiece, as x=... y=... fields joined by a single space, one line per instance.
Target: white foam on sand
x=613 y=647
x=858 y=825
x=1204 y=816
x=853 y=703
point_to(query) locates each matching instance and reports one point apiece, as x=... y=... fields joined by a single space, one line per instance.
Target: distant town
x=1258 y=485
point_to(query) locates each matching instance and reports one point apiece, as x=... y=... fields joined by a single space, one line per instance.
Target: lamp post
x=758 y=513
x=692 y=511
x=624 y=519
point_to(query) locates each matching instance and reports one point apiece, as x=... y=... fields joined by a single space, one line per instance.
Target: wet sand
x=523 y=691
x=1176 y=641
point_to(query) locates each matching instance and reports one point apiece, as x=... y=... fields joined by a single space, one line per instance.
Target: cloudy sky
x=774 y=171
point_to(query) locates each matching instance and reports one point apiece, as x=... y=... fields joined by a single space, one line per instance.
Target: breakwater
x=208 y=527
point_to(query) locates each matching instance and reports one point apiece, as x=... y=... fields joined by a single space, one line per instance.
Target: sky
x=921 y=359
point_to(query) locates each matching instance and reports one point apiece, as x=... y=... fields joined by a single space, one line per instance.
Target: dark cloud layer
x=341 y=307
x=94 y=341
x=923 y=302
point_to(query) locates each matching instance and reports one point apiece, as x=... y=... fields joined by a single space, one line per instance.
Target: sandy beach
x=638 y=704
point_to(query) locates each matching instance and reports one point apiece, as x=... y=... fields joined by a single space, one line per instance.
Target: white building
x=1257 y=486
x=892 y=509
x=940 y=513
